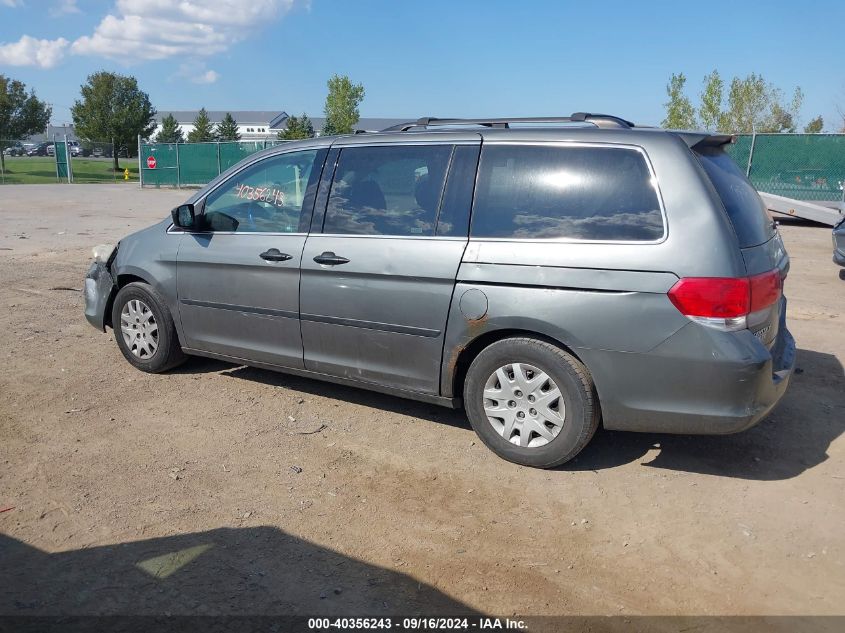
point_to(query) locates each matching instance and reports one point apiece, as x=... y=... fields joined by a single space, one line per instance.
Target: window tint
x=585 y=193
x=742 y=202
x=387 y=190
x=265 y=198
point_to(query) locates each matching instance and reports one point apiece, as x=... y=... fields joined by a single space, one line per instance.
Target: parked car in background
x=42 y=149
x=16 y=148
x=544 y=274
x=75 y=148
x=108 y=152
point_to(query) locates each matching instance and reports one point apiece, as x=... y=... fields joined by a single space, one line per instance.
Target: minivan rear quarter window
x=574 y=192
x=745 y=208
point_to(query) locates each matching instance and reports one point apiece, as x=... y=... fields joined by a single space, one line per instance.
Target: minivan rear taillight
x=724 y=303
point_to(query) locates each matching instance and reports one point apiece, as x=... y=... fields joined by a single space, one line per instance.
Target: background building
x=260 y=124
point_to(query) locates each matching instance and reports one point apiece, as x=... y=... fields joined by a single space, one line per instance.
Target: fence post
x=67 y=158
x=218 y=158
x=751 y=154
x=56 y=157
x=178 y=169
x=140 y=166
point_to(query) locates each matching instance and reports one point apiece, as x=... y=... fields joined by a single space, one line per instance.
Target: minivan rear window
x=569 y=192
x=745 y=208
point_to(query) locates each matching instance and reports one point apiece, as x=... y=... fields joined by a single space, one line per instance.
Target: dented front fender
x=99 y=291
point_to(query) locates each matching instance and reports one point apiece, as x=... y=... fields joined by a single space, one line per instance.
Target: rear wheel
x=531 y=402
x=144 y=329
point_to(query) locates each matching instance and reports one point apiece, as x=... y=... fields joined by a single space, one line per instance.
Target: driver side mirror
x=183 y=216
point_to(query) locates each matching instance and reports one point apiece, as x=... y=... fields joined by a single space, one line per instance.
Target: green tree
x=815 y=126
x=227 y=129
x=710 y=109
x=203 y=129
x=747 y=104
x=21 y=113
x=341 y=107
x=755 y=105
x=113 y=108
x=297 y=127
x=170 y=131
x=680 y=114
x=782 y=117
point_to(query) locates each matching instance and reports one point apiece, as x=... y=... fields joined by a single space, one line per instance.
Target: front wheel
x=531 y=402
x=144 y=329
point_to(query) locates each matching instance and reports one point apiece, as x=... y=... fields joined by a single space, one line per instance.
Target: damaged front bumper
x=99 y=291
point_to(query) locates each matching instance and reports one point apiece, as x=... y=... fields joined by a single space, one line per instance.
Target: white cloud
x=64 y=7
x=139 y=30
x=197 y=73
x=208 y=77
x=12 y=3
x=29 y=51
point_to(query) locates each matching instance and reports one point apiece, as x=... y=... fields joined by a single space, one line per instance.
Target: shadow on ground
x=237 y=571
x=794 y=438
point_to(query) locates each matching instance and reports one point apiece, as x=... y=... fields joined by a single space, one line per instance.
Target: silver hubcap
x=139 y=328
x=524 y=405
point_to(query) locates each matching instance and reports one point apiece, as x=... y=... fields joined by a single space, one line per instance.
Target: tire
x=150 y=349
x=552 y=439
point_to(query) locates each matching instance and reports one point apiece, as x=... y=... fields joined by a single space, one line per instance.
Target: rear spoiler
x=704 y=139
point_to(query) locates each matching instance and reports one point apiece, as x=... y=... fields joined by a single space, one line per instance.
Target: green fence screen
x=163 y=168
x=800 y=166
x=62 y=166
x=192 y=164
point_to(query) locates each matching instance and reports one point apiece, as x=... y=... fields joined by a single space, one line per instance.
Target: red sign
x=151 y=162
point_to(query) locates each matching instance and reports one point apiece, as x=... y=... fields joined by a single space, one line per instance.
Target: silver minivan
x=547 y=275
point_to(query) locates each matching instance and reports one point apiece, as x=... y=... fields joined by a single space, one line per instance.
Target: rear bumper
x=698 y=381
x=99 y=289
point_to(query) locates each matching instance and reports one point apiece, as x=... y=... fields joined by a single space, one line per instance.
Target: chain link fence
x=802 y=166
x=192 y=164
x=65 y=160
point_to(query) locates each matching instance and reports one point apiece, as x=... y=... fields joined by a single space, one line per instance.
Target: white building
x=252 y=124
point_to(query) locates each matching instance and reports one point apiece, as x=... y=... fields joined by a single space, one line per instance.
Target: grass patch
x=42 y=170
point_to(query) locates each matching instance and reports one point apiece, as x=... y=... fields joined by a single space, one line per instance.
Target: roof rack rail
x=599 y=120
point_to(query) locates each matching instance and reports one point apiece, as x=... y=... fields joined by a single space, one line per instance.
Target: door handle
x=274 y=255
x=330 y=259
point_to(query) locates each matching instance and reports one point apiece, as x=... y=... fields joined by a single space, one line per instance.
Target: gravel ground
x=224 y=489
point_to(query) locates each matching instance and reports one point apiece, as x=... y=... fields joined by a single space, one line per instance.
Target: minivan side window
x=554 y=191
x=267 y=197
x=388 y=190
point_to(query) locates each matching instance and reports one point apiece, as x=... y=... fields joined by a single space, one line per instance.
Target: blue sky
x=424 y=58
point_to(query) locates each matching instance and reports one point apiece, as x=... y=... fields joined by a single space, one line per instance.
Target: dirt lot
x=181 y=493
